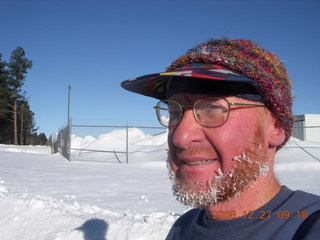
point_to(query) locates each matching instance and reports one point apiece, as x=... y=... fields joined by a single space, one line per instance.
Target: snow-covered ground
x=94 y=197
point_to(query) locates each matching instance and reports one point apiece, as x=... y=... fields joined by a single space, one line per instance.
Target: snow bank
x=42 y=217
x=142 y=147
x=43 y=196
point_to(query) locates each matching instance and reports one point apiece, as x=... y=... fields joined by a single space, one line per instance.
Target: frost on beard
x=222 y=187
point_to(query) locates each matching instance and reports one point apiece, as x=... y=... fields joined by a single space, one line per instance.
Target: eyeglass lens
x=210 y=112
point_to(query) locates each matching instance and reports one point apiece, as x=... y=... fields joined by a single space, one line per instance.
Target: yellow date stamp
x=263 y=214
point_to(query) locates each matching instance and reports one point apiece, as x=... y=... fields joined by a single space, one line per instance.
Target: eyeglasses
x=209 y=112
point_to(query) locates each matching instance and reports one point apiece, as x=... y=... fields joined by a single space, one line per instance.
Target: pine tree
x=18 y=67
x=4 y=91
x=27 y=126
x=16 y=118
x=4 y=95
x=42 y=139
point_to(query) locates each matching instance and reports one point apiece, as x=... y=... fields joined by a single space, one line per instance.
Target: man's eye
x=214 y=107
x=173 y=110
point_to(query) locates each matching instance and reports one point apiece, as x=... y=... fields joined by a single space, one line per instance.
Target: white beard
x=221 y=187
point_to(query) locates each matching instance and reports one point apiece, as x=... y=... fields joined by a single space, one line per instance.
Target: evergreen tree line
x=17 y=124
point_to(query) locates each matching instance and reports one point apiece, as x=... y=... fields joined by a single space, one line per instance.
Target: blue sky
x=94 y=45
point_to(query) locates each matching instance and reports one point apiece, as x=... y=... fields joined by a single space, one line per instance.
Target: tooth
x=199 y=162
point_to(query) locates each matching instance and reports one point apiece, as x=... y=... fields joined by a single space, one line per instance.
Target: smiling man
x=228 y=106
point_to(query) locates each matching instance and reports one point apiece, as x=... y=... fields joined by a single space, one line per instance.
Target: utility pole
x=127 y=143
x=68 y=140
x=69 y=90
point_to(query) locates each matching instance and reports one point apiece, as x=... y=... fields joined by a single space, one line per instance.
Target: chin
x=200 y=191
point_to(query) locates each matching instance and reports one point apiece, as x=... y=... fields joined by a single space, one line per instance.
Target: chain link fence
x=63 y=142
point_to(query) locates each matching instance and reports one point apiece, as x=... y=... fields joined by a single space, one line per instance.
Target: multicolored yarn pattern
x=254 y=62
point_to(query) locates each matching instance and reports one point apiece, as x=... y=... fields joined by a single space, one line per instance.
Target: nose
x=187 y=131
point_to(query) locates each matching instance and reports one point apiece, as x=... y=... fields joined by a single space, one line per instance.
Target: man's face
x=209 y=165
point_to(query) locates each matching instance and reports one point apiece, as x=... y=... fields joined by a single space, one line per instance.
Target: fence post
x=69 y=140
x=68 y=133
x=127 y=144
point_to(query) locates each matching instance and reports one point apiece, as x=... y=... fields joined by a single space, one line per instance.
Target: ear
x=276 y=132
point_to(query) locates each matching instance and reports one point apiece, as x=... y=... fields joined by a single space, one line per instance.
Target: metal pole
x=68 y=137
x=69 y=90
x=127 y=145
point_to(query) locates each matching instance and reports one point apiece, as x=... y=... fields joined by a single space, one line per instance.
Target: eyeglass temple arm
x=157 y=107
x=246 y=104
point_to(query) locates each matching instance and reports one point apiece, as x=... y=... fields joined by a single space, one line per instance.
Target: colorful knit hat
x=238 y=61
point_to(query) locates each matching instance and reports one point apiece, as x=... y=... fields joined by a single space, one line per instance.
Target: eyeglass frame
x=186 y=106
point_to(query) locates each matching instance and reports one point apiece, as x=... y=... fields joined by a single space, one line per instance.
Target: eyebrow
x=190 y=97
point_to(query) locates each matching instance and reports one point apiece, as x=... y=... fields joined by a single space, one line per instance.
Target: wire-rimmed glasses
x=209 y=112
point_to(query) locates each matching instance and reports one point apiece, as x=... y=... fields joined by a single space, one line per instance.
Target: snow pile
x=43 y=217
x=43 y=196
x=141 y=145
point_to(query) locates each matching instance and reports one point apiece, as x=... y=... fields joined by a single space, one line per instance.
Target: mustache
x=194 y=150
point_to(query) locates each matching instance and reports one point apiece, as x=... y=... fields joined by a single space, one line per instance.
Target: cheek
x=171 y=155
x=241 y=129
x=234 y=138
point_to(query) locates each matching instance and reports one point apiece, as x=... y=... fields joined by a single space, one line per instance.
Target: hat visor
x=155 y=85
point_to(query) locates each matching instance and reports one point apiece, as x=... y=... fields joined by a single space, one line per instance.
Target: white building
x=307 y=127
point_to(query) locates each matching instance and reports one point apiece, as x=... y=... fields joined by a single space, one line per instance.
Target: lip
x=200 y=162
x=195 y=167
x=195 y=160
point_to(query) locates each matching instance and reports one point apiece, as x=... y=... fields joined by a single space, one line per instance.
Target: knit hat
x=241 y=88
x=237 y=61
